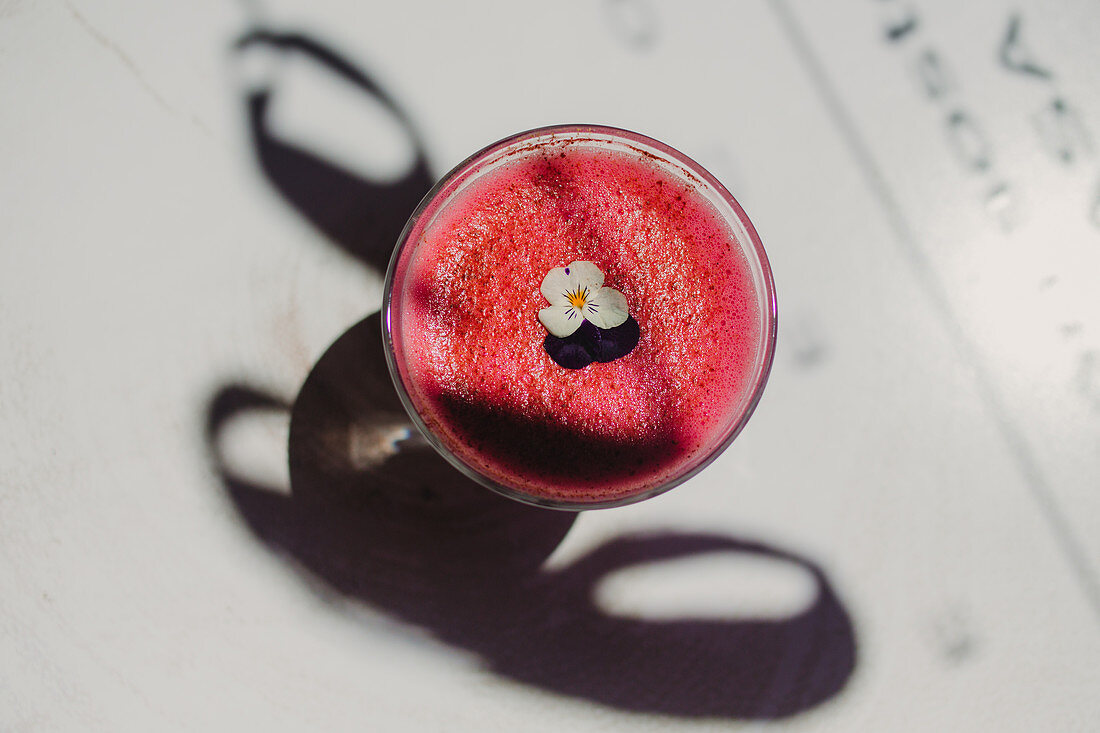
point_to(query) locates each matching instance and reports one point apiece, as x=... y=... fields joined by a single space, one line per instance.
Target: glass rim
x=450 y=182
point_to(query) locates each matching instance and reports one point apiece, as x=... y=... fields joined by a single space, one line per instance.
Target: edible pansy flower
x=576 y=294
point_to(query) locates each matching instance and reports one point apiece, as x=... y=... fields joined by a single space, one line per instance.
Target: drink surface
x=472 y=345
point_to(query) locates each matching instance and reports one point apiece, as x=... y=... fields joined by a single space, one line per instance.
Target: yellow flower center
x=578 y=298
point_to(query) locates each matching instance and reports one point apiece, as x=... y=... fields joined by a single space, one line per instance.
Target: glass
x=670 y=162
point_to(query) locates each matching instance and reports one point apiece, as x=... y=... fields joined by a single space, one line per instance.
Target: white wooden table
x=196 y=200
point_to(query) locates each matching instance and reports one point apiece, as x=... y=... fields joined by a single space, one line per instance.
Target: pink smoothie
x=472 y=351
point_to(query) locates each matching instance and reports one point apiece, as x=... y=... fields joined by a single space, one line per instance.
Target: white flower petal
x=555 y=286
x=561 y=320
x=574 y=277
x=587 y=275
x=607 y=308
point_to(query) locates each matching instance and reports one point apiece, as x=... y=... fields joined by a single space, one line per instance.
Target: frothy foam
x=472 y=345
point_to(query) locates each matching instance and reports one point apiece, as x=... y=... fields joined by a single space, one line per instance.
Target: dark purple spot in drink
x=612 y=343
x=589 y=343
x=568 y=352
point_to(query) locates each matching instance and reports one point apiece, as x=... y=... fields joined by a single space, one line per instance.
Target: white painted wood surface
x=925 y=178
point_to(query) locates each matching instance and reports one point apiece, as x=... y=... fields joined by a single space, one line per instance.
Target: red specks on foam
x=473 y=344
